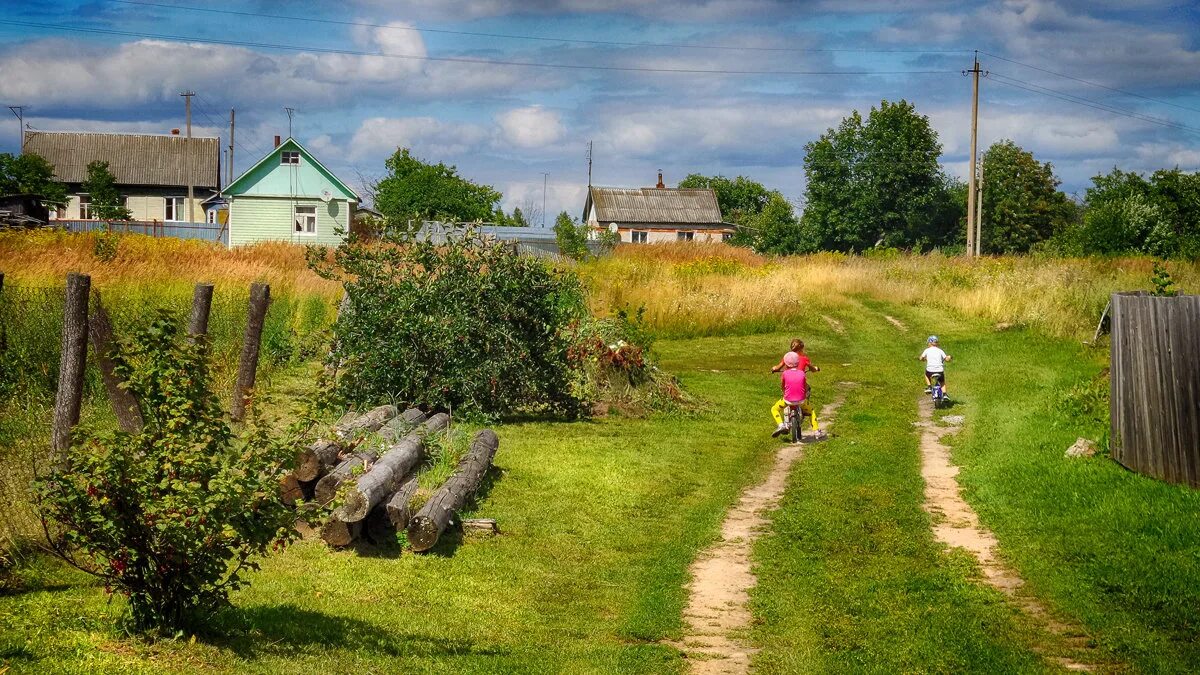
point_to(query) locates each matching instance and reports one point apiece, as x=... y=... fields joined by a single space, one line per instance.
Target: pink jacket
x=793 y=381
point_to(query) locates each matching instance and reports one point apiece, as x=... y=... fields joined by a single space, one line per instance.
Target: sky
x=512 y=91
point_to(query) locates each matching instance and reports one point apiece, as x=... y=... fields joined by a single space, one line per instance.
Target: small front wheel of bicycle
x=797 y=420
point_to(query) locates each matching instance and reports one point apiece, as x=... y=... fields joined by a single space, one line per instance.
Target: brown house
x=657 y=214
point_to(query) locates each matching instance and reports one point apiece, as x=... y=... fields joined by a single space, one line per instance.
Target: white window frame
x=685 y=235
x=302 y=230
x=639 y=236
x=289 y=158
x=173 y=209
x=211 y=217
x=85 y=206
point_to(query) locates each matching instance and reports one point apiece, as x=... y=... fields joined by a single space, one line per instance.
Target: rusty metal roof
x=654 y=205
x=133 y=159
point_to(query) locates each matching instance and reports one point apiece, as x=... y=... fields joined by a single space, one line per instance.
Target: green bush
x=170 y=517
x=468 y=325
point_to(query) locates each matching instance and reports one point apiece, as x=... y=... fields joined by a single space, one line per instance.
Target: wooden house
x=657 y=214
x=289 y=196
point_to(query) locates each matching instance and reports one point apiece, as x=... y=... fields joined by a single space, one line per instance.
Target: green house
x=289 y=196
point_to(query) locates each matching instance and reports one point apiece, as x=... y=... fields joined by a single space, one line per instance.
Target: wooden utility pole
x=589 y=164
x=229 y=169
x=187 y=154
x=971 y=234
x=545 y=178
x=979 y=213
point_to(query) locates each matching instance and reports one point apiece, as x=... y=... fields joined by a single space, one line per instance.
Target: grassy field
x=601 y=519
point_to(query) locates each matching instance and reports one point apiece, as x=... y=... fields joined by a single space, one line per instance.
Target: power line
x=237 y=143
x=538 y=38
x=456 y=59
x=1090 y=103
x=1091 y=83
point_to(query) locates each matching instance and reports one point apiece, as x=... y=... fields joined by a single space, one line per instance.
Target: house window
x=289 y=157
x=85 y=207
x=726 y=236
x=175 y=208
x=684 y=236
x=638 y=236
x=211 y=217
x=306 y=220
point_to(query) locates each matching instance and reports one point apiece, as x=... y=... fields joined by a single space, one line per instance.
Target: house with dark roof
x=657 y=214
x=151 y=171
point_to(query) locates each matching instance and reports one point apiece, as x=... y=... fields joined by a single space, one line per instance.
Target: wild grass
x=691 y=289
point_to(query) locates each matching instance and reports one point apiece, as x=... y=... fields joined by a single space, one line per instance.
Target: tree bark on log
x=327 y=486
x=397 y=506
x=382 y=480
x=401 y=425
x=339 y=533
x=72 y=362
x=292 y=489
x=312 y=462
x=124 y=404
x=201 y=307
x=429 y=523
x=260 y=297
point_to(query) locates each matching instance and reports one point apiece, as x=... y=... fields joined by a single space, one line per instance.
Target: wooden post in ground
x=260 y=297
x=71 y=363
x=125 y=405
x=201 y=306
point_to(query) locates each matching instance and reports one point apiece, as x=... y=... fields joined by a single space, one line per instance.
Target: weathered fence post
x=260 y=297
x=71 y=363
x=201 y=306
x=1155 y=385
x=125 y=406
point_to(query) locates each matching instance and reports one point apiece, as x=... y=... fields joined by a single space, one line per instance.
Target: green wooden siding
x=255 y=218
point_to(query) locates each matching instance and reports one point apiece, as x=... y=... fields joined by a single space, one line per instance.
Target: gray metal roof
x=133 y=159
x=654 y=205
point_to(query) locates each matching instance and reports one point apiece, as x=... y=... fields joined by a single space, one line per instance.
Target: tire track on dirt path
x=955 y=523
x=719 y=591
x=896 y=322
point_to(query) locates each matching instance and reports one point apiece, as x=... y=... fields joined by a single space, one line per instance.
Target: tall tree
x=415 y=191
x=739 y=198
x=877 y=182
x=571 y=236
x=31 y=175
x=101 y=188
x=1021 y=202
x=775 y=229
x=1128 y=213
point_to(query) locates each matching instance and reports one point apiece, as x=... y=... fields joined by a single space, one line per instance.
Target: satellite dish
x=612 y=227
x=326 y=195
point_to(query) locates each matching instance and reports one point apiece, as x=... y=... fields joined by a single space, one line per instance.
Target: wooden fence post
x=201 y=306
x=125 y=405
x=72 y=362
x=260 y=297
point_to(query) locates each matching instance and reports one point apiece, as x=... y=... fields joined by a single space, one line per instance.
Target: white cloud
x=531 y=127
x=426 y=136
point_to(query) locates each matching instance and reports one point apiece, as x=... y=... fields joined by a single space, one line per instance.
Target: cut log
x=313 y=461
x=384 y=478
x=293 y=490
x=327 y=487
x=484 y=526
x=397 y=506
x=73 y=361
x=337 y=532
x=429 y=523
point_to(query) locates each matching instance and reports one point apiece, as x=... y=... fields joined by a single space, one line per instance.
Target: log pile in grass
x=429 y=523
x=388 y=473
x=318 y=458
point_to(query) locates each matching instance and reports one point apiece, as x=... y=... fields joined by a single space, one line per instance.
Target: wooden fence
x=1155 y=395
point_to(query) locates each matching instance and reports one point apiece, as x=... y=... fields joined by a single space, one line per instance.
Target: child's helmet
x=791 y=359
x=932 y=339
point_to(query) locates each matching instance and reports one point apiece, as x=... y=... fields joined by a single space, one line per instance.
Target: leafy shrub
x=172 y=516
x=468 y=325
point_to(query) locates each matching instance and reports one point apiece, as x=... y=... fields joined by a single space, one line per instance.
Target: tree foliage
x=30 y=175
x=571 y=236
x=101 y=188
x=742 y=202
x=775 y=229
x=416 y=191
x=170 y=517
x=1129 y=213
x=1021 y=202
x=877 y=182
x=469 y=325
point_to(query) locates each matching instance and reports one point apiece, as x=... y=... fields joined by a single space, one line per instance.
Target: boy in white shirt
x=935 y=364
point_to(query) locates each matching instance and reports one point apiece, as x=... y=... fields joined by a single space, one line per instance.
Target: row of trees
x=31 y=174
x=878 y=182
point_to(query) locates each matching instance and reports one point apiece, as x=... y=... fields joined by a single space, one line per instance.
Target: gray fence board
x=1155 y=385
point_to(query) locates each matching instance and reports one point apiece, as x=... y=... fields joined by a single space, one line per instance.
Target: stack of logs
x=374 y=482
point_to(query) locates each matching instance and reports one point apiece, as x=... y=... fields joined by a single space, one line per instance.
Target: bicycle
x=936 y=389
x=795 y=420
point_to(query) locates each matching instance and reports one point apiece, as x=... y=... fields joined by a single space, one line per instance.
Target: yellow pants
x=805 y=408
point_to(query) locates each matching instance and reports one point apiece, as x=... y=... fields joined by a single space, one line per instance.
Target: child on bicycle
x=806 y=365
x=935 y=364
x=793 y=382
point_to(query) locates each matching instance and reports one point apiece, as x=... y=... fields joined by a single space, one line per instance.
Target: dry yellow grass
x=702 y=289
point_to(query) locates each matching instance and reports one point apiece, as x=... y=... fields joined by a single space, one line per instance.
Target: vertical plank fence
x=1155 y=386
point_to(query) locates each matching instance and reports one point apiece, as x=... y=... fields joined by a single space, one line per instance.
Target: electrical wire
x=539 y=38
x=1090 y=83
x=455 y=59
x=1071 y=98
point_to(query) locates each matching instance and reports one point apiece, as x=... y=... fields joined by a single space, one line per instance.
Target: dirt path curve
x=955 y=523
x=721 y=578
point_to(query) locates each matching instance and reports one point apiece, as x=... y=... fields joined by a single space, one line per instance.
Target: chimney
x=660 y=183
x=174 y=132
x=277 y=141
